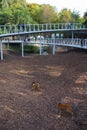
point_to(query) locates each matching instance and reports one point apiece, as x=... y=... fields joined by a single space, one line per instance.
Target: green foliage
x=48 y=49
x=5 y=16
x=49 y=14
x=7 y=3
x=19 y=11
x=15 y=13
x=15 y=47
x=27 y=48
x=85 y=19
x=75 y=16
x=19 y=16
x=31 y=49
x=65 y=15
x=36 y=12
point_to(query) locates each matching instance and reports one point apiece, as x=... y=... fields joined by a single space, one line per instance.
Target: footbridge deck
x=67 y=42
x=22 y=29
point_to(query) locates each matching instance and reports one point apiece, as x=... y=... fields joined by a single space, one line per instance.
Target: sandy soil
x=63 y=78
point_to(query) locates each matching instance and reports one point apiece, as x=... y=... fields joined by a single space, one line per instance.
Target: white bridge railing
x=72 y=42
x=67 y=42
x=78 y=43
x=7 y=29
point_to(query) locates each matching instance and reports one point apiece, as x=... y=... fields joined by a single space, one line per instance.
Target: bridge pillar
x=1 y=49
x=22 y=48
x=54 y=48
x=8 y=45
x=40 y=49
x=22 y=45
x=41 y=45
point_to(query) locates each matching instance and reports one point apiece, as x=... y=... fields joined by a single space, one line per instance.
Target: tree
x=35 y=12
x=7 y=3
x=75 y=16
x=49 y=14
x=20 y=14
x=14 y=14
x=85 y=19
x=65 y=16
x=5 y=16
x=4 y=3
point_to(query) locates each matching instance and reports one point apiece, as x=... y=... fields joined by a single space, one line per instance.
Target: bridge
x=24 y=29
x=21 y=29
x=67 y=42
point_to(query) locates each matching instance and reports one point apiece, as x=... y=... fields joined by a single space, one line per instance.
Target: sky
x=77 y=5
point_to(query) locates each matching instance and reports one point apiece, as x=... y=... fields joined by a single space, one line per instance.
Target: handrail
x=67 y=42
x=7 y=29
x=75 y=42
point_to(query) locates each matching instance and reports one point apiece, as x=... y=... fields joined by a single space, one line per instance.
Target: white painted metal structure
x=23 y=29
x=9 y=30
x=11 y=41
x=67 y=42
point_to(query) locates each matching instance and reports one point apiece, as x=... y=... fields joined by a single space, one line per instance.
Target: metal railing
x=71 y=42
x=7 y=29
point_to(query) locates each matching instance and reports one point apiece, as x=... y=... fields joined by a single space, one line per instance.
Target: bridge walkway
x=30 y=29
x=21 y=29
x=67 y=42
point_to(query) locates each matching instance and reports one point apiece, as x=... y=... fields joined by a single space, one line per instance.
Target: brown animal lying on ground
x=65 y=107
x=36 y=86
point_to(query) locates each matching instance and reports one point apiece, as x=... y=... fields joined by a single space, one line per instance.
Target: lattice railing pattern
x=6 y=29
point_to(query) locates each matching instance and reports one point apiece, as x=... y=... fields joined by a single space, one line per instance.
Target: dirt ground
x=63 y=78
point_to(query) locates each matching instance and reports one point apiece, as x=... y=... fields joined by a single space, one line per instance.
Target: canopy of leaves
x=7 y=3
x=49 y=14
x=19 y=11
x=6 y=16
x=36 y=12
x=20 y=14
x=85 y=19
x=75 y=16
x=14 y=12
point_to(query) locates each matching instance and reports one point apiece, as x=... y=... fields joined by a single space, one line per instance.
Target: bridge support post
x=54 y=48
x=40 y=48
x=22 y=48
x=8 y=45
x=1 y=49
